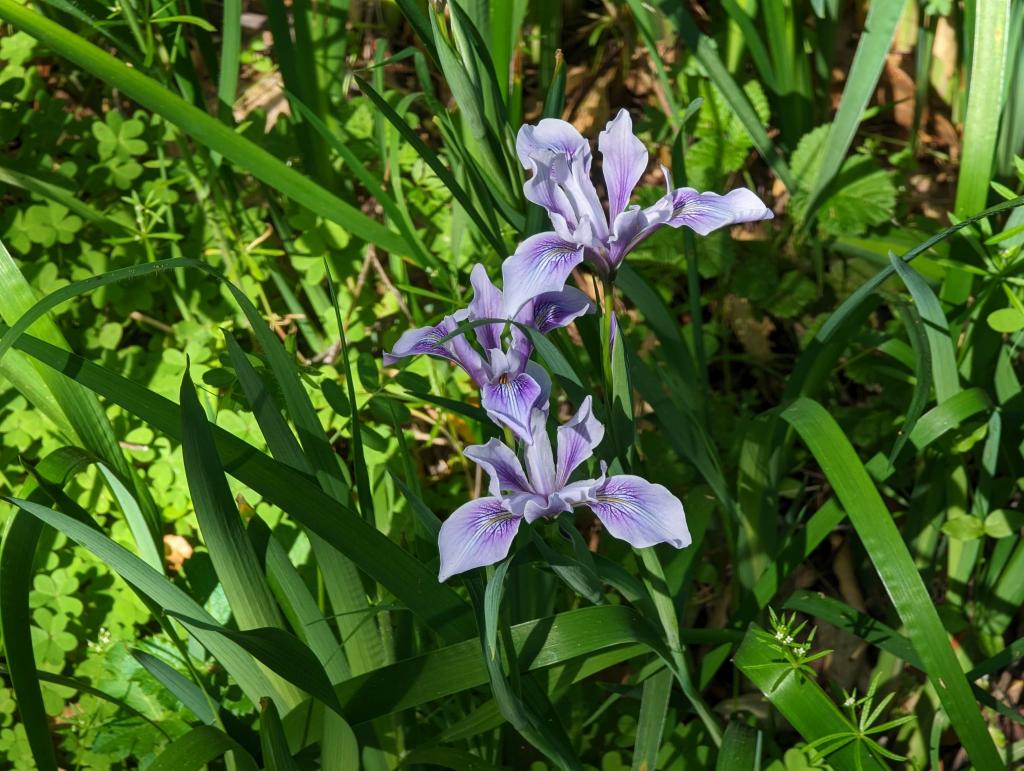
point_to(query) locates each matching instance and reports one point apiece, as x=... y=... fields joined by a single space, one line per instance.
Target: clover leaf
x=50 y=224
x=118 y=137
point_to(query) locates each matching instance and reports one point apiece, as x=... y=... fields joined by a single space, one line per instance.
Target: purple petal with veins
x=541 y=263
x=510 y=400
x=423 y=340
x=552 y=310
x=552 y=135
x=487 y=303
x=544 y=190
x=502 y=466
x=539 y=461
x=478 y=533
x=639 y=512
x=705 y=212
x=577 y=440
x=624 y=160
x=575 y=181
x=633 y=226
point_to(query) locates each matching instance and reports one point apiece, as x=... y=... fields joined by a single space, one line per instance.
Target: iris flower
x=480 y=532
x=511 y=386
x=560 y=159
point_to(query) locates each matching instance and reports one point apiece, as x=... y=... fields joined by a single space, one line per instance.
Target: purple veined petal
x=639 y=512
x=543 y=189
x=423 y=340
x=487 y=303
x=553 y=310
x=502 y=466
x=477 y=534
x=541 y=263
x=537 y=457
x=574 y=178
x=555 y=136
x=510 y=401
x=577 y=439
x=623 y=162
x=634 y=225
x=705 y=212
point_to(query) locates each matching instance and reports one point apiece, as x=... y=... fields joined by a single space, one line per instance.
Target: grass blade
x=183 y=689
x=546 y=642
x=868 y=61
x=895 y=567
x=194 y=750
x=985 y=94
x=651 y=723
x=220 y=524
x=945 y=374
x=296 y=602
x=276 y=756
x=159 y=589
x=230 y=55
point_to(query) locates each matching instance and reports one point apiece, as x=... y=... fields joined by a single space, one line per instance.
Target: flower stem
x=606 y=339
x=654 y=577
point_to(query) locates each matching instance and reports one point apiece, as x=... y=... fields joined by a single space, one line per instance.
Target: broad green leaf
x=741 y=748
x=800 y=699
x=1003 y=523
x=1006 y=320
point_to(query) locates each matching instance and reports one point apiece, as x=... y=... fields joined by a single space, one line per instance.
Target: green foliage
x=252 y=269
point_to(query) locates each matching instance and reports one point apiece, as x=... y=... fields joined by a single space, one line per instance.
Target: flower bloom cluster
x=515 y=390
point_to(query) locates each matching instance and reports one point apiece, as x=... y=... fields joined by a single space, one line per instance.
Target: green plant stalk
x=654 y=577
x=608 y=309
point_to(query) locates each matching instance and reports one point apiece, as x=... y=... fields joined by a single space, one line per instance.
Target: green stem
x=654 y=577
x=606 y=338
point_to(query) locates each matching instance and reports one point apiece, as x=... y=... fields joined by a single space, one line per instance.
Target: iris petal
x=502 y=466
x=624 y=160
x=478 y=533
x=641 y=513
x=509 y=401
x=705 y=212
x=542 y=263
x=577 y=440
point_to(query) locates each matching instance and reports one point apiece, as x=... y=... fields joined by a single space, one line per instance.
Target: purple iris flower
x=560 y=160
x=480 y=532
x=511 y=386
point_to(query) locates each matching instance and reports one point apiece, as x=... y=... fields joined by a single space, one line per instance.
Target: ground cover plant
x=487 y=385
